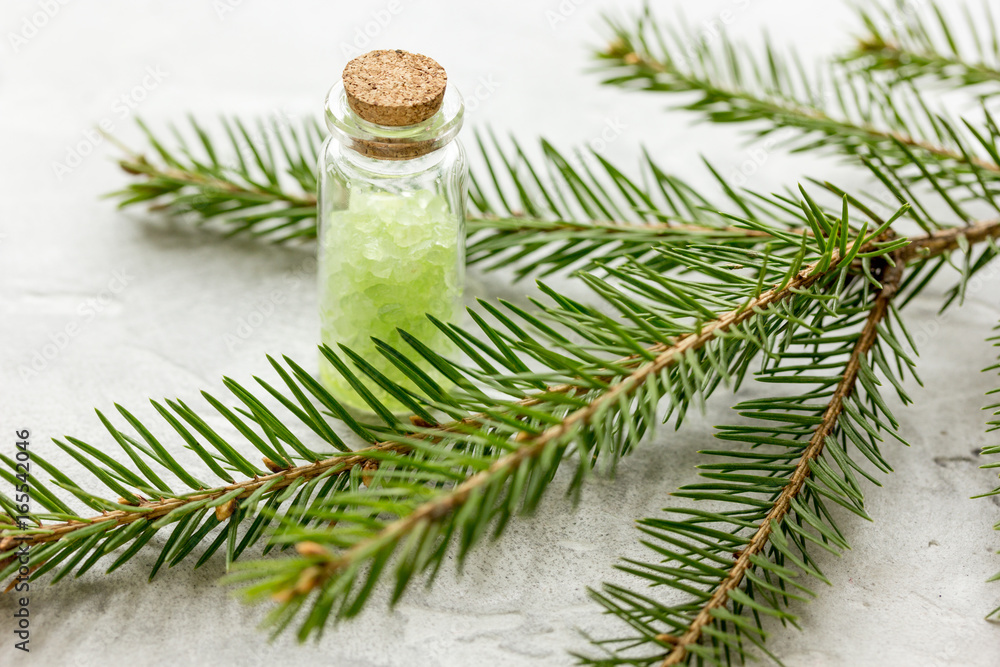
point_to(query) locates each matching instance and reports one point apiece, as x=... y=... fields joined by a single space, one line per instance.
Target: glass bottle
x=392 y=198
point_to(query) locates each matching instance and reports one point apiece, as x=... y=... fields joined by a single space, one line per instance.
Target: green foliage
x=555 y=213
x=689 y=291
x=542 y=215
x=914 y=41
x=839 y=107
x=771 y=499
x=529 y=398
x=265 y=185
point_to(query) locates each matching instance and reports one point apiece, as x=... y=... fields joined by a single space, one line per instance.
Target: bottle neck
x=393 y=167
x=393 y=143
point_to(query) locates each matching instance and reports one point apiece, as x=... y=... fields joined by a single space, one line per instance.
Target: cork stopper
x=394 y=87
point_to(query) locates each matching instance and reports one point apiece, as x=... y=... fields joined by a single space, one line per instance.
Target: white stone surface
x=912 y=591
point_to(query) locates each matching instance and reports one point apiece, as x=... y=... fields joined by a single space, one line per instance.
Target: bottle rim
x=388 y=142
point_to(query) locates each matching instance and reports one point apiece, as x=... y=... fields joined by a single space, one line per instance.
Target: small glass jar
x=391 y=209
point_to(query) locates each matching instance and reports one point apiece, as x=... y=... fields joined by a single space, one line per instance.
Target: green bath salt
x=388 y=260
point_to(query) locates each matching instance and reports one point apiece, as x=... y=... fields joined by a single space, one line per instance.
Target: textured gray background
x=911 y=592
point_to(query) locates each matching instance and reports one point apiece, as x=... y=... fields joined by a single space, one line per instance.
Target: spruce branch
x=857 y=114
x=564 y=211
x=325 y=573
x=913 y=43
x=155 y=509
x=782 y=505
x=328 y=576
x=536 y=446
x=601 y=407
x=734 y=562
x=341 y=464
x=251 y=189
x=138 y=164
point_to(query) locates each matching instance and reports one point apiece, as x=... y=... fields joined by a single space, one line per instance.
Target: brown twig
x=654 y=227
x=938 y=243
